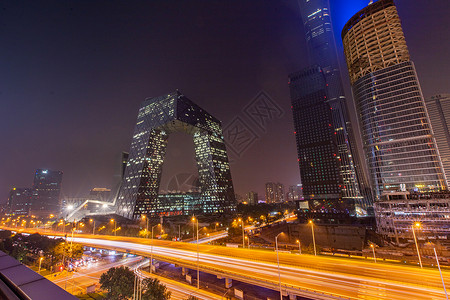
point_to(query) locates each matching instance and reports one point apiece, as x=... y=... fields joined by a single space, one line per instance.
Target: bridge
x=314 y=277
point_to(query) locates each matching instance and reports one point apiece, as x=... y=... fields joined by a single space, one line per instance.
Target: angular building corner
x=158 y=117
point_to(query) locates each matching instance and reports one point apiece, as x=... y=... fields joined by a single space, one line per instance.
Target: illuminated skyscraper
x=327 y=155
x=20 y=201
x=398 y=140
x=157 y=118
x=439 y=110
x=274 y=192
x=46 y=192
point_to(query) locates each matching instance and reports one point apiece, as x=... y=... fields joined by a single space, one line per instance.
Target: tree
x=119 y=282
x=65 y=249
x=154 y=290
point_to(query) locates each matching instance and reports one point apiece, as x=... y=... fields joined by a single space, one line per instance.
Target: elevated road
x=304 y=275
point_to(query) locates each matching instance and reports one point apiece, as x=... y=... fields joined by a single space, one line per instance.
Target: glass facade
x=46 y=192
x=439 y=111
x=157 y=118
x=20 y=201
x=322 y=49
x=317 y=145
x=398 y=140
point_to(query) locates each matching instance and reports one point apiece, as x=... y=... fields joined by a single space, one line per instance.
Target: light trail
x=316 y=277
x=293 y=278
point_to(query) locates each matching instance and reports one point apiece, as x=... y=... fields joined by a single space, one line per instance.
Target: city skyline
x=90 y=112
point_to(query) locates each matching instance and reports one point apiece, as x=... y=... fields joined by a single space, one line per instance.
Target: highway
x=313 y=277
x=77 y=282
x=399 y=282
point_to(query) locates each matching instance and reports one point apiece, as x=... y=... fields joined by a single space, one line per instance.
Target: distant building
x=252 y=198
x=397 y=212
x=439 y=111
x=20 y=201
x=46 y=192
x=294 y=193
x=274 y=192
x=395 y=128
x=157 y=118
x=101 y=194
x=176 y=204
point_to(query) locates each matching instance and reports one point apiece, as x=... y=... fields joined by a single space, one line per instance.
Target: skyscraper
x=20 y=201
x=274 y=192
x=46 y=192
x=252 y=198
x=157 y=118
x=318 y=103
x=439 y=111
x=398 y=140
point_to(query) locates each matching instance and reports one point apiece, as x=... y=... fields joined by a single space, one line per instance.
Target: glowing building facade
x=157 y=118
x=438 y=108
x=398 y=141
x=331 y=173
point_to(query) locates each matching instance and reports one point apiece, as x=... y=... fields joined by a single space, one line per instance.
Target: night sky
x=73 y=74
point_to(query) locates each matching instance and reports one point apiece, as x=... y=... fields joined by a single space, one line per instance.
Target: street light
x=115 y=223
x=243 y=235
x=194 y=219
x=93 y=228
x=40 y=261
x=417 y=224
x=146 y=228
x=440 y=272
x=151 y=247
x=299 y=247
x=278 y=263
x=373 y=250
x=314 y=239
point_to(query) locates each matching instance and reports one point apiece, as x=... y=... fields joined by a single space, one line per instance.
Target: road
x=77 y=282
x=315 y=277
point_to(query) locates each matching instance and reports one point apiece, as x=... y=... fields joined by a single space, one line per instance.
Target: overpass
x=314 y=277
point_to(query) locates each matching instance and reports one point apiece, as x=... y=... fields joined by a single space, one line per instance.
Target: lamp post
x=40 y=262
x=314 y=239
x=278 y=263
x=299 y=247
x=248 y=241
x=373 y=250
x=146 y=228
x=93 y=228
x=115 y=224
x=440 y=272
x=417 y=224
x=151 y=247
x=243 y=235
x=194 y=219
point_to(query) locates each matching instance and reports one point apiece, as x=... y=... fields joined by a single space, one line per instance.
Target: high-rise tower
x=398 y=140
x=46 y=192
x=439 y=110
x=339 y=185
x=158 y=117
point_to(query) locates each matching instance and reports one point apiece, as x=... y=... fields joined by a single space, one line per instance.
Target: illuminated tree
x=119 y=282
